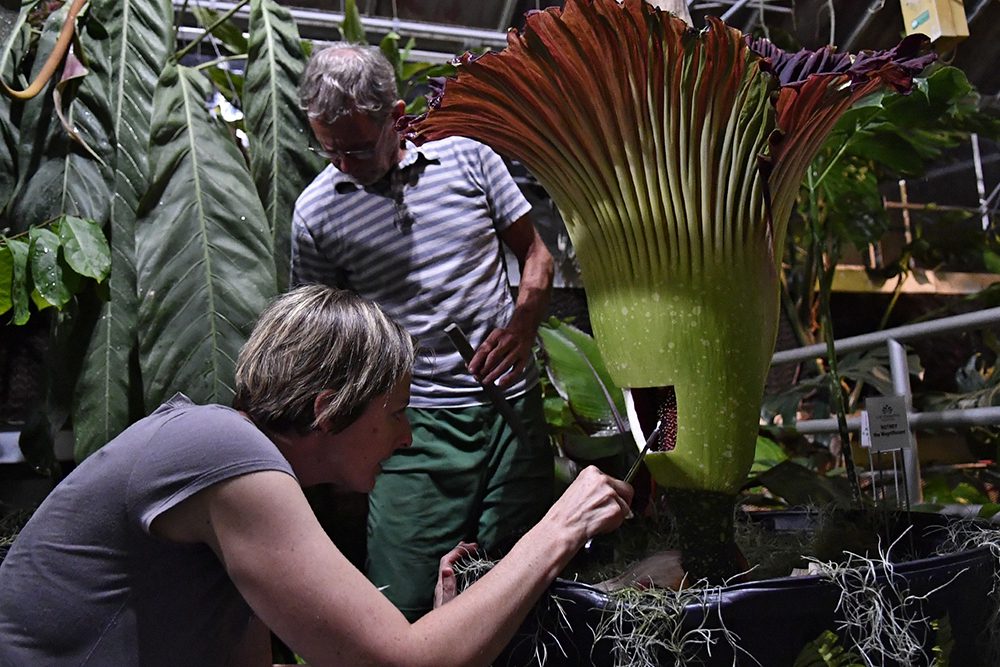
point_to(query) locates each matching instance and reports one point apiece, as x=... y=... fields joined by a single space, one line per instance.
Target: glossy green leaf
x=62 y=173
x=578 y=374
x=85 y=247
x=768 y=454
x=352 y=30
x=19 y=284
x=227 y=33
x=40 y=302
x=205 y=269
x=6 y=278
x=592 y=447
x=40 y=176
x=13 y=51
x=140 y=34
x=280 y=160
x=43 y=257
x=558 y=415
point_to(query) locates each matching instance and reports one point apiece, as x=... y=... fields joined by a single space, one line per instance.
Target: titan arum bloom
x=675 y=158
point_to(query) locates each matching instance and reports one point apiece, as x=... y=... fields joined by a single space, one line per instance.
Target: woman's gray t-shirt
x=85 y=583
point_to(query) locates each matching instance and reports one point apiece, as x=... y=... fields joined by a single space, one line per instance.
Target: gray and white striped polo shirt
x=423 y=244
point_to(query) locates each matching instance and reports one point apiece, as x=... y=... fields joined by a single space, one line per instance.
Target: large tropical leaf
x=226 y=33
x=14 y=49
x=36 y=166
x=573 y=364
x=203 y=258
x=66 y=151
x=280 y=161
x=63 y=172
x=140 y=40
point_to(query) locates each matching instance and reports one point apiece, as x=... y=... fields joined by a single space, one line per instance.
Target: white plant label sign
x=888 y=424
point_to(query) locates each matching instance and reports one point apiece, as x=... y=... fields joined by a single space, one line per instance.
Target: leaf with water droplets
x=19 y=284
x=43 y=258
x=84 y=246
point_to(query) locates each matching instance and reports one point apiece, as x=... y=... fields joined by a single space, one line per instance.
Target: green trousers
x=466 y=477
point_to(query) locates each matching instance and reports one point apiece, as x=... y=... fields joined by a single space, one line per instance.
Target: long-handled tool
x=464 y=347
x=635 y=468
x=642 y=453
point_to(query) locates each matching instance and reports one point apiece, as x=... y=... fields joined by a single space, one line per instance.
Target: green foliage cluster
x=123 y=144
x=48 y=265
x=148 y=200
x=884 y=137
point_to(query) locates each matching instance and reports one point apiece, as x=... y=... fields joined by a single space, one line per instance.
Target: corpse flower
x=675 y=158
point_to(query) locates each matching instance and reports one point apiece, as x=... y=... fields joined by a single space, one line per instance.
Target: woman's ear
x=320 y=403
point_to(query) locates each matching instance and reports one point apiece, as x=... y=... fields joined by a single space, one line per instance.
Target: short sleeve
x=506 y=200
x=191 y=451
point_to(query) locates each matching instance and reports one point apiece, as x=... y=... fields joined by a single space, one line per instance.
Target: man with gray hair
x=418 y=230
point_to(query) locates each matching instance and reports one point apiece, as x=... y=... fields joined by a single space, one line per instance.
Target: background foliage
x=197 y=215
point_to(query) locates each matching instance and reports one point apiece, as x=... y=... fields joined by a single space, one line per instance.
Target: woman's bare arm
x=310 y=595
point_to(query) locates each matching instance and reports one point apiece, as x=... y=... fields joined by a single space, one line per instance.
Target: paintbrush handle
x=642 y=454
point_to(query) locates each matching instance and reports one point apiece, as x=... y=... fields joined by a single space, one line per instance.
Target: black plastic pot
x=775 y=619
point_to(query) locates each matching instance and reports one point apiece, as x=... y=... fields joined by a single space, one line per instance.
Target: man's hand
x=447 y=587
x=501 y=358
x=505 y=352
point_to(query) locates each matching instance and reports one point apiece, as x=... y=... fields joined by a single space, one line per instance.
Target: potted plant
x=675 y=158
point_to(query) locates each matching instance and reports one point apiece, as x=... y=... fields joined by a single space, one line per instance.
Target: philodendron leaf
x=19 y=279
x=203 y=255
x=6 y=278
x=43 y=257
x=85 y=248
x=280 y=160
x=141 y=36
x=227 y=32
x=352 y=30
x=37 y=171
x=575 y=368
x=594 y=447
x=14 y=49
x=60 y=176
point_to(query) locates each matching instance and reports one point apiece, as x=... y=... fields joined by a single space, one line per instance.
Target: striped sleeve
x=505 y=198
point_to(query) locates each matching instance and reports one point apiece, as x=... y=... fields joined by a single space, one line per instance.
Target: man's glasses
x=361 y=154
x=337 y=156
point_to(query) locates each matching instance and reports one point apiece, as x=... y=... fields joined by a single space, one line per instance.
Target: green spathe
x=675 y=158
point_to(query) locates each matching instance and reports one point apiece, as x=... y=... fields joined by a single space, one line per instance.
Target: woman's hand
x=594 y=503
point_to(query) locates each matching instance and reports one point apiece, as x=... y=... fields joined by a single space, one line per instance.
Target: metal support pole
x=901 y=385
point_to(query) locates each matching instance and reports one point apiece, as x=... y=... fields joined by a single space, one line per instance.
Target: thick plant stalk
x=675 y=158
